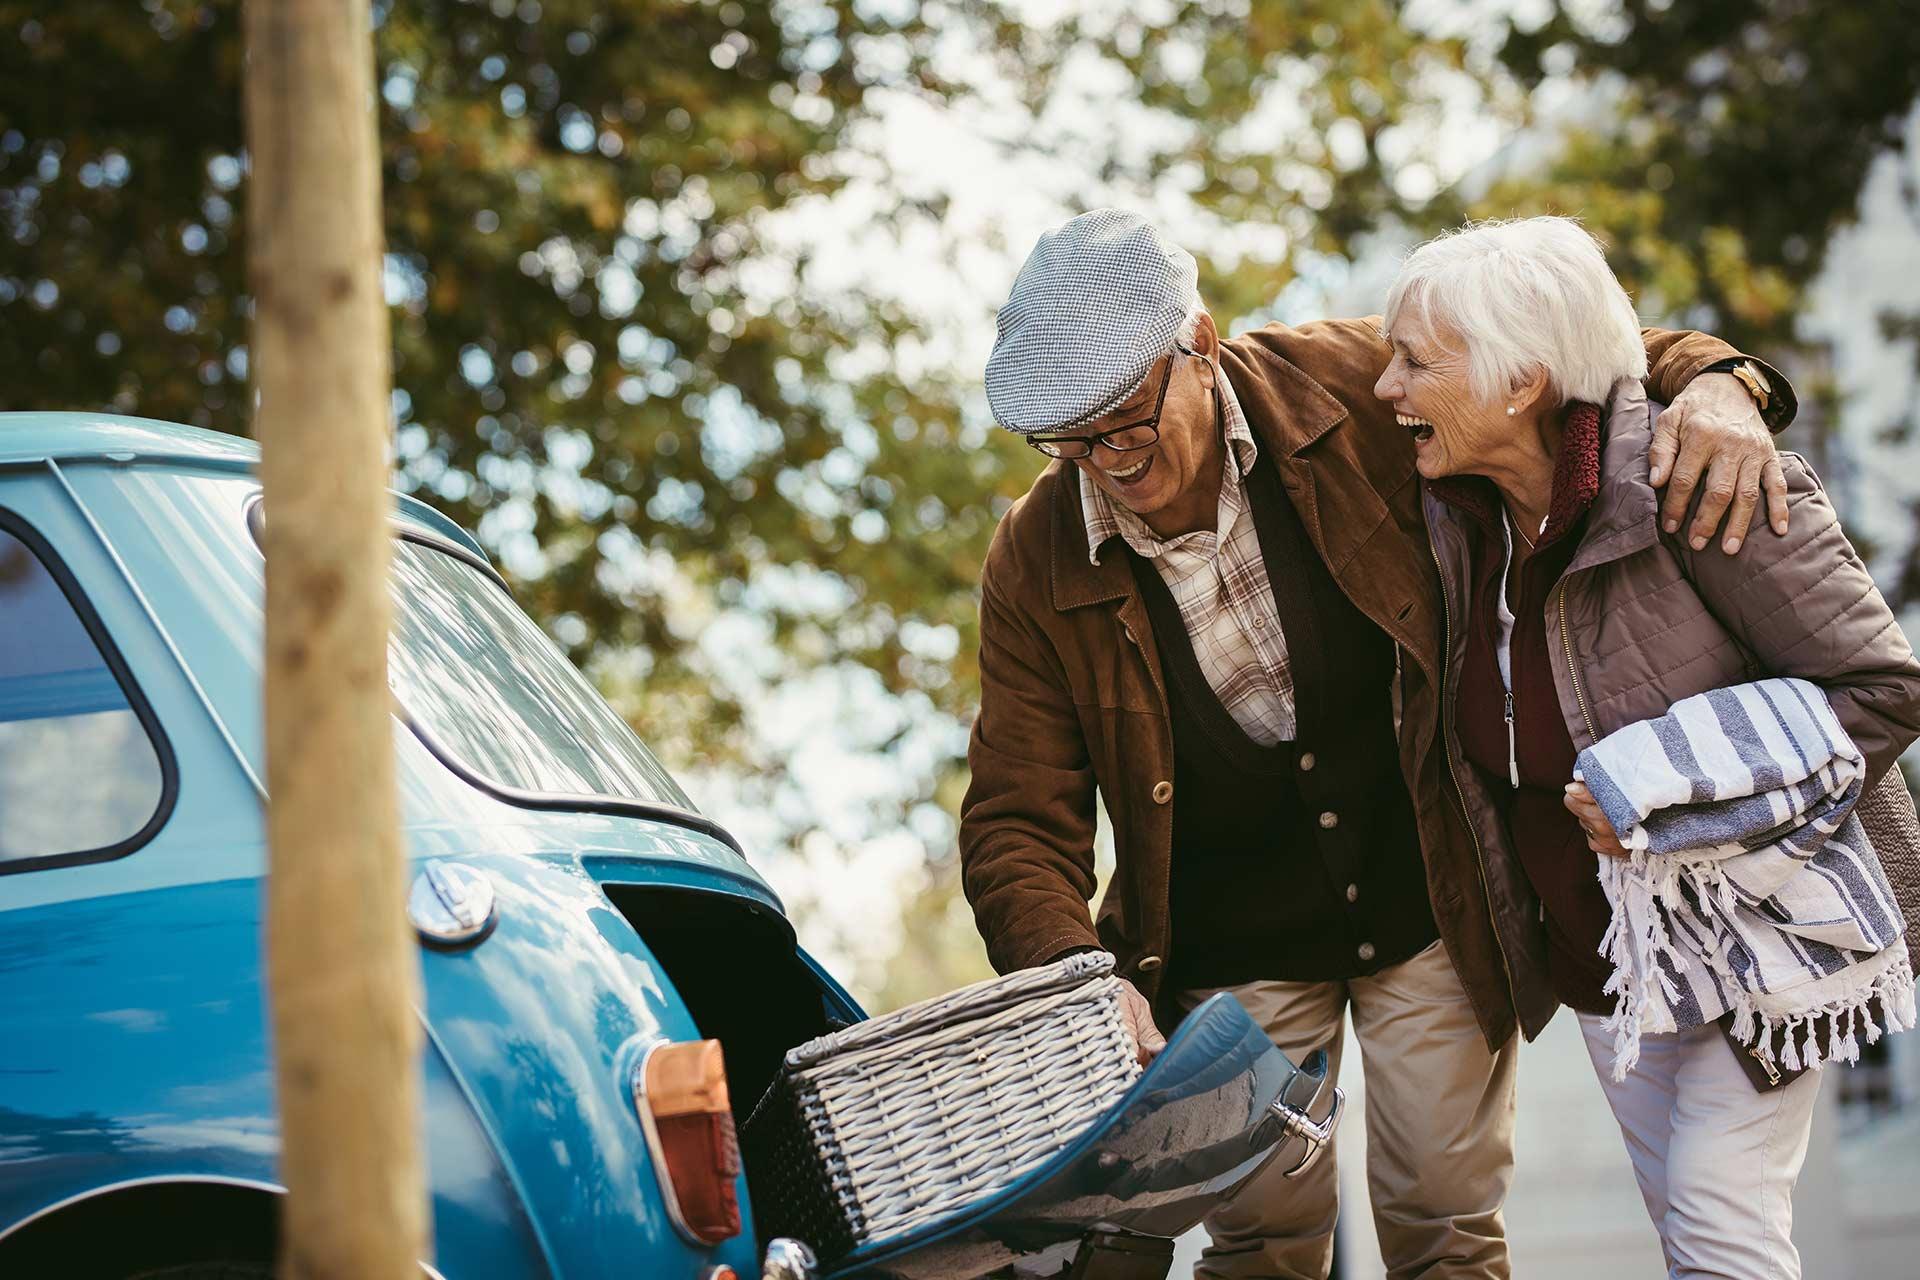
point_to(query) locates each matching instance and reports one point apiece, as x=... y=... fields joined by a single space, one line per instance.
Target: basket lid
x=964 y=1005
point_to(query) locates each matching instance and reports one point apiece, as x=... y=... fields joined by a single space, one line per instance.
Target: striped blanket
x=1751 y=885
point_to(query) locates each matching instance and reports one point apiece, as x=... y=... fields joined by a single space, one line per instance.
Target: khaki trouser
x=1439 y=1131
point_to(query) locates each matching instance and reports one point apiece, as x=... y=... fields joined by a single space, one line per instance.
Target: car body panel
x=34 y=439
x=136 y=1050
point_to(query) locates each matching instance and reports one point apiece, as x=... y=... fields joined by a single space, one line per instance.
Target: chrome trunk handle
x=789 y=1260
x=1297 y=1122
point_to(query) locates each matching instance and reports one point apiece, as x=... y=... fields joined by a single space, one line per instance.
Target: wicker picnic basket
x=1888 y=816
x=892 y=1123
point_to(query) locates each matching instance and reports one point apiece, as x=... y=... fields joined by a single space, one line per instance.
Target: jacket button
x=1162 y=791
x=1366 y=951
x=1353 y=893
x=1147 y=964
x=1307 y=761
x=1329 y=820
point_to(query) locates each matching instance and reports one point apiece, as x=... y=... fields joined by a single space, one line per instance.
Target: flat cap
x=1099 y=300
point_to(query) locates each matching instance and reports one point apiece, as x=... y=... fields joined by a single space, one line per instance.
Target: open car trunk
x=1214 y=1107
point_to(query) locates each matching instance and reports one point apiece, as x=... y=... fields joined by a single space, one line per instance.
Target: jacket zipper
x=1579 y=694
x=1573 y=668
x=1513 y=757
x=1446 y=752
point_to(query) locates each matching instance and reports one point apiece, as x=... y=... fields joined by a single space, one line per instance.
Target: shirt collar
x=1107 y=518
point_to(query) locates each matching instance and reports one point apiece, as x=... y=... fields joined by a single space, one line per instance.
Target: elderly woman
x=1573 y=616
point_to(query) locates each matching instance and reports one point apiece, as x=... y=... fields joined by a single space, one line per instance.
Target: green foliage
x=1736 y=137
x=609 y=362
x=596 y=356
x=573 y=195
x=1735 y=142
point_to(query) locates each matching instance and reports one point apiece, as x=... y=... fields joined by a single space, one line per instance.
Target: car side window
x=81 y=775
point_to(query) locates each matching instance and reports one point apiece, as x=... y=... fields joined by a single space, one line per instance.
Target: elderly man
x=1219 y=613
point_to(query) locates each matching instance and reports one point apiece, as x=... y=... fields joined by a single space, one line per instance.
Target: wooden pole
x=341 y=964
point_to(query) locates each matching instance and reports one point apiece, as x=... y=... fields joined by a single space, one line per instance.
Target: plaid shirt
x=1218 y=578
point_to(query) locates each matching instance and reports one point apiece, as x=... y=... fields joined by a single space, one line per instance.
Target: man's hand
x=1713 y=427
x=1586 y=811
x=1138 y=1015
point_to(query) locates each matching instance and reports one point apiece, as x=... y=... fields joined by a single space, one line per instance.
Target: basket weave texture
x=893 y=1123
x=1888 y=816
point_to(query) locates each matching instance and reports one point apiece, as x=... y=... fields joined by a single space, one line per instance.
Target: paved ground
x=1574 y=1213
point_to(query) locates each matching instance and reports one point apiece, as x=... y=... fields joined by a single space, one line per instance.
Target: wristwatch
x=1751 y=376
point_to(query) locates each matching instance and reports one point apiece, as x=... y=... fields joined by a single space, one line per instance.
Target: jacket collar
x=1076 y=580
x=1287 y=410
x=1625 y=514
x=1576 y=481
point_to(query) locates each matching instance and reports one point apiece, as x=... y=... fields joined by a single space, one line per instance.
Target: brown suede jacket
x=1073 y=700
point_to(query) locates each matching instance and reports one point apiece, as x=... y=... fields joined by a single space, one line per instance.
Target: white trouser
x=1715 y=1158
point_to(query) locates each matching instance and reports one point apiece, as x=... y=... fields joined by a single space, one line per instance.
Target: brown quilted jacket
x=1644 y=621
x=1073 y=701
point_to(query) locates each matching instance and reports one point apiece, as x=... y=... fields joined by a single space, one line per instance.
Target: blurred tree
x=343 y=968
x=583 y=367
x=1721 y=145
x=600 y=360
x=610 y=362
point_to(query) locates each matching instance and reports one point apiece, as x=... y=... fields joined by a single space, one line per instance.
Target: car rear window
x=80 y=776
x=488 y=687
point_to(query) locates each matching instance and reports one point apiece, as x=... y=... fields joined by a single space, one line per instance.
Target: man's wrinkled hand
x=1713 y=434
x=1138 y=1015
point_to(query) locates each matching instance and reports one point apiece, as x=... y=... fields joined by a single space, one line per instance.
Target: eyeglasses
x=1123 y=438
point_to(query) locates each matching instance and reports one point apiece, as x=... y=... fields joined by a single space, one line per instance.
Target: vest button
x=1366 y=951
x=1147 y=964
x=1162 y=791
x=1307 y=761
x=1353 y=893
x=1329 y=820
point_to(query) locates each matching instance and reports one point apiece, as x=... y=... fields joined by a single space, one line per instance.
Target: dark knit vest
x=1299 y=861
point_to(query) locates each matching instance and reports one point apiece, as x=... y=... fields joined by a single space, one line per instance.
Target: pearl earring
x=1509 y=411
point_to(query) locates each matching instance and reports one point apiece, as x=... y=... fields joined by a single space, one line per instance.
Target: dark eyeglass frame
x=1052 y=445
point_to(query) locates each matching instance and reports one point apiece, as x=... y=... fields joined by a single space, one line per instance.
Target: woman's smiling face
x=1427 y=383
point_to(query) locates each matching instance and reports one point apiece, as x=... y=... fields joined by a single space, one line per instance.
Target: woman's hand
x=1586 y=811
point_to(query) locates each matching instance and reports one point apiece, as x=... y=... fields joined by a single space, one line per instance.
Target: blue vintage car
x=576 y=912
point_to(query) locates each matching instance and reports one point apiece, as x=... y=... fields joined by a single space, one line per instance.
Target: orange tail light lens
x=680 y=1092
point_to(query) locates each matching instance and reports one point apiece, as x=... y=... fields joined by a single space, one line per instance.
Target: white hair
x=1526 y=295
x=1189 y=327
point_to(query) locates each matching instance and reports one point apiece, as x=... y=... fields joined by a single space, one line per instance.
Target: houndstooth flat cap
x=1098 y=301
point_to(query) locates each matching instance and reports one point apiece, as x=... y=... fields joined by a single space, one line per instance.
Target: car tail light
x=680 y=1091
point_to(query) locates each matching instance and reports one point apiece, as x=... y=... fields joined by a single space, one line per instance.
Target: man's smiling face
x=1184 y=463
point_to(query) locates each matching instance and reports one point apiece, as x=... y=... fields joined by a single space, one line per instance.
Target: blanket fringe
x=1641 y=887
